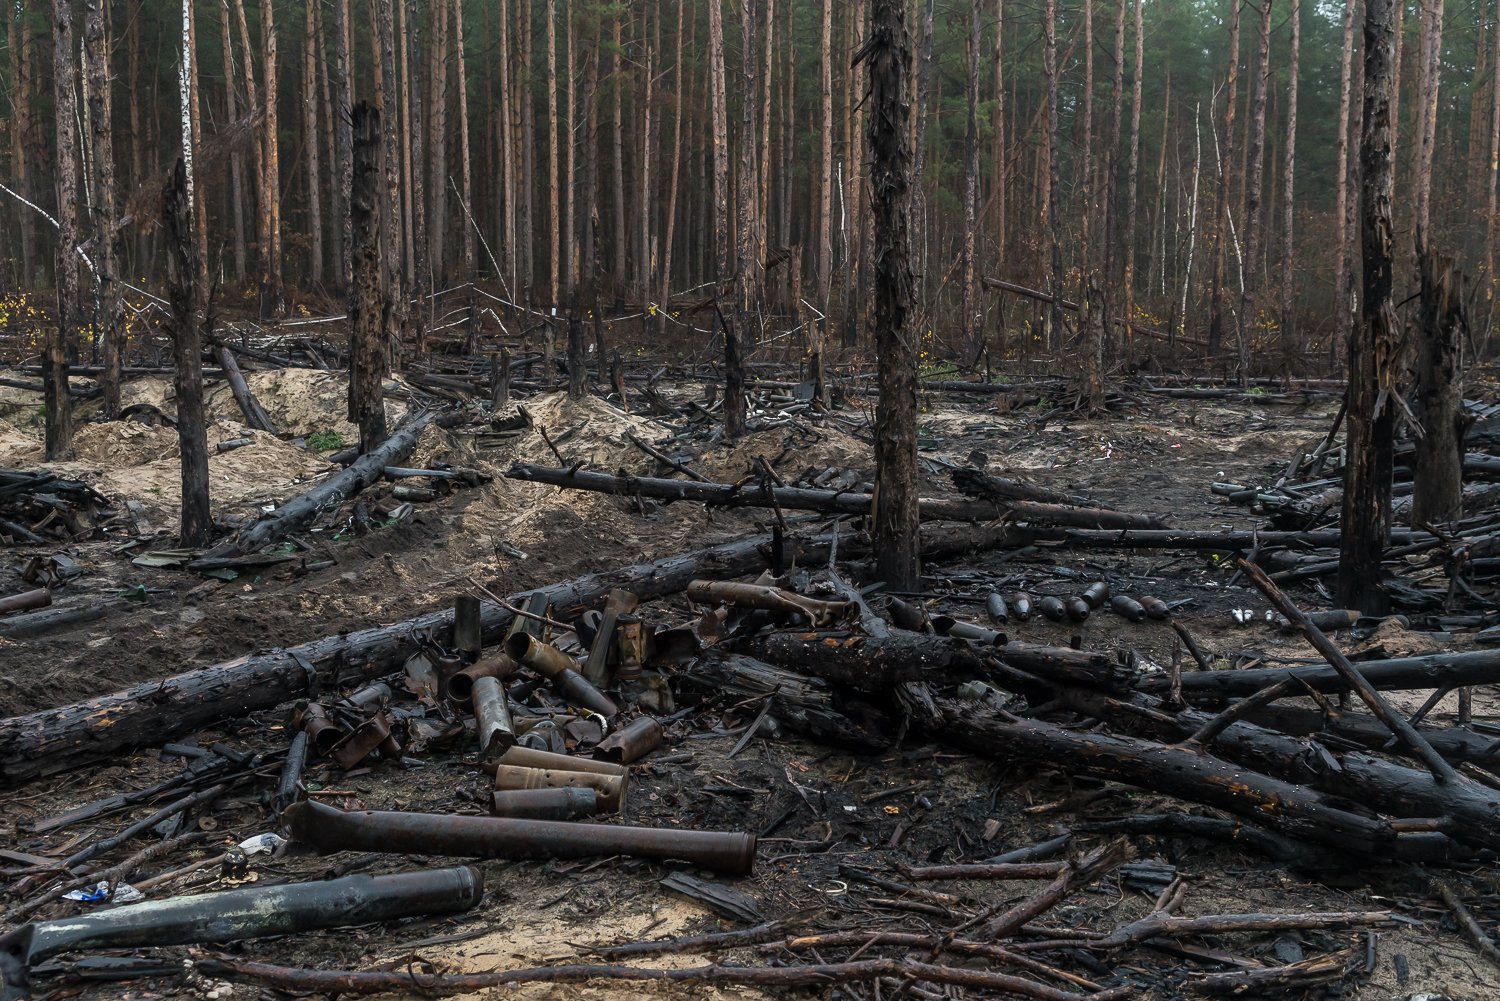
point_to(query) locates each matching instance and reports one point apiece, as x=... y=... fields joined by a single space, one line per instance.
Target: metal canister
x=638 y=739
x=545 y=804
x=610 y=788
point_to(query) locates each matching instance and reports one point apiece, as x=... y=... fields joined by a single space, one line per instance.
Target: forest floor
x=920 y=802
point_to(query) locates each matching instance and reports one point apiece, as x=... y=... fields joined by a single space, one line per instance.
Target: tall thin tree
x=109 y=321
x=56 y=400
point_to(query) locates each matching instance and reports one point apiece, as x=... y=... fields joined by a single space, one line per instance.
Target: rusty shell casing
x=1096 y=594
x=1077 y=608
x=1155 y=607
x=543 y=658
x=372 y=695
x=1052 y=608
x=1127 y=607
x=905 y=614
x=630 y=640
x=575 y=688
x=324 y=733
x=374 y=733
x=492 y=717
x=255 y=911
x=1020 y=605
x=460 y=687
x=947 y=625
x=611 y=788
x=545 y=804
x=631 y=743
x=998 y=611
x=528 y=757
x=330 y=829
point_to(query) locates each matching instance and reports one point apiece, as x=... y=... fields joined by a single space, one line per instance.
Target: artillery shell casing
x=611 y=788
x=545 y=804
x=460 y=686
x=1053 y=608
x=997 y=609
x=1127 y=607
x=638 y=739
x=1077 y=608
x=1096 y=594
x=1020 y=605
x=1155 y=607
x=528 y=757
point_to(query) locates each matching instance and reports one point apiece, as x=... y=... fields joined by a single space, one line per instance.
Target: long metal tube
x=329 y=829
x=252 y=912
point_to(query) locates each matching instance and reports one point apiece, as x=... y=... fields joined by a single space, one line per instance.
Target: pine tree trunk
x=109 y=322
x=645 y=256
x=465 y=176
x=310 y=148
x=1221 y=194
x=747 y=196
x=236 y=158
x=1054 y=181
x=619 y=238
x=369 y=306
x=1089 y=299
x=437 y=189
x=826 y=182
x=570 y=175
x=178 y=206
x=19 y=45
x=387 y=102
x=336 y=207
x=1133 y=165
x=734 y=375
x=679 y=100
x=887 y=54
x=1341 y=271
x=1492 y=214
x=408 y=81
x=1437 y=497
x=525 y=241
x=59 y=413
x=273 y=299
x=1366 y=515
x=1429 y=76
x=508 y=125
x=344 y=136
x=1288 y=186
x=418 y=233
x=554 y=223
x=1002 y=155
x=971 y=325
x=1254 y=188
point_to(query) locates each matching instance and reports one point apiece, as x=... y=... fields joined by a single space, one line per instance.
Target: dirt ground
x=821 y=810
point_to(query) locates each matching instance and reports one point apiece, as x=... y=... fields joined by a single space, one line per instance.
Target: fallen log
x=295 y=513
x=873 y=664
x=100 y=729
x=1191 y=774
x=805 y=705
x=975 y=483
x=1434 y=670
x=1001 y=285
x=1199 y=540
x=761 y=494
x=1457 y=744
x=255 y=415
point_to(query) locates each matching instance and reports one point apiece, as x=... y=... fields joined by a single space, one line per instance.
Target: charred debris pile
x=557 y=706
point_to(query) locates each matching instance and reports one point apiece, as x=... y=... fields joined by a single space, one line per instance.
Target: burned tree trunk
x=577 y=371
x=888 y=55
x=369 y=312
x=1372 y=347
x=63 y=337
x=109 y=323
x=182 y=255
x=1438 y=493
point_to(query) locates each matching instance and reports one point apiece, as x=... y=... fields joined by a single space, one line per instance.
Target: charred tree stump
x=186 y=298
x=500 y=381
x=369 y=309
x=1439 y=481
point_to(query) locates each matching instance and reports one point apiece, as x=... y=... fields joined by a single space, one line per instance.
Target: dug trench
x=833 y=823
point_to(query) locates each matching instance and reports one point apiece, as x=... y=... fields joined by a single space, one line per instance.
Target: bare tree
x=1288 y=184
x=1341 y=272
x=187 y=343
x=1254 y=188
x=109 y=323
x=1366 y=515
x=310 y=147
x=273 y=298
x=734 y=373
x=887 y=54
x=62 y=337
x=1054 y=181
x=970 y=322
x=369 y=304
x=1220 y=230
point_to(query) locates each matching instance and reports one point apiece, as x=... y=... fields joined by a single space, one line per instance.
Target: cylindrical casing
x=466 y=626
x=545 y=804
x=330 y=829
x=460 y=687
x=1077 y=608
x=492 y=716
x=1020 y=605
x=634 y=741
x=322 y=731
x=905 y=614
x=446 y=667
x=255 y=911
x=291 y=771
x=997 y=608
x=1052 y=608
x=526 y=757
x=370 y=696
x=1127 y=607
x=26 y=600
x=1096 y=594
x=947 y=625
x=1155 y=607
x=630 y=638
x=543 y=658
x=611 y=788
x=573 y=687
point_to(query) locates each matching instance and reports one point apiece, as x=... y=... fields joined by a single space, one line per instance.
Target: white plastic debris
x=262 y=843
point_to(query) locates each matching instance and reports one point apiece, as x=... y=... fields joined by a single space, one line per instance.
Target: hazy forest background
x=1189 y=165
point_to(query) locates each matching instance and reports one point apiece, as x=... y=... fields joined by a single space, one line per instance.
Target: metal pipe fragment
x=529 y=757
x=632 y=742
x=460 y=685
x=330 y=829
x=558 y=668
x=287 y=790
x=611 y=788
x=492 y=716
x=545 y=804
x=596 y=667
x=248 y=912
x=324 y=733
